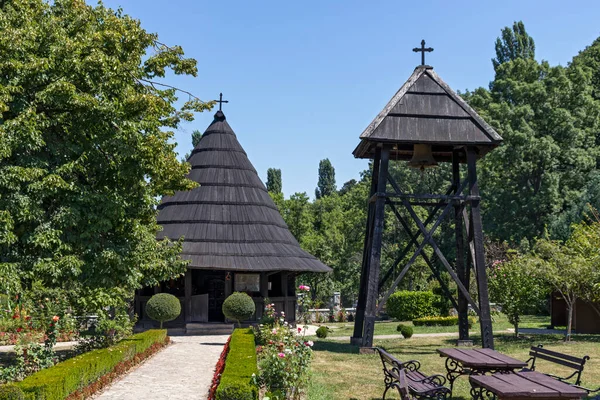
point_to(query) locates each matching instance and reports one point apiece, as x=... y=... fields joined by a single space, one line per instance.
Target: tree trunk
x=161 y=324
x=570 y=307
x=517 y=330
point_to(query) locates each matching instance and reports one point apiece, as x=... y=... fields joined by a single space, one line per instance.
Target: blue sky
x=304 y=78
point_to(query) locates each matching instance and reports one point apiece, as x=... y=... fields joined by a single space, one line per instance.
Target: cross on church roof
x=221 y=101
x=422 y=49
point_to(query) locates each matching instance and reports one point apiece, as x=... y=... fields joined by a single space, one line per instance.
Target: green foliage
x=322 y=332
x=107 y=330
x=196 y=136
x=572 y=268
x=163 y=307
x=326 y=184
x=239 y=307
x=405 y=330
x=240 y=365
x=283 y=360
x=11 y=392
x=549 y=119
x=58 y=382
x=515 y=43
x=274 y=184
x=441 y=321
x=86 y=150
x=516 y=285
x=405 y=305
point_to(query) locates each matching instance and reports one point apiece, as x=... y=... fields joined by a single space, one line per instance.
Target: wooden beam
x=436 y=249
x=434 y=270
x=362 y=291
x=485 y=319
x=188 y=295
x=371 y=309
x=463 y=305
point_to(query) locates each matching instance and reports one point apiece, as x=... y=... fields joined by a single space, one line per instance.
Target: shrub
x=399 y=327
x=322 y=332
x=58 y=382
x=284 y=361
x=406 y=331
x=350 y=317
x=341 y=315
x=406 y=306
x=238 y=307
x=11 y=392
x=441 y=321
x=240 y=364
x=163 y=307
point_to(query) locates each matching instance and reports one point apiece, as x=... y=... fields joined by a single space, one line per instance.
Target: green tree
x=572 y=268
x=196 y=137
x=549 y=121
x=274 y=184
x=85 y=149
x=589 y=58
x=326 y=183
x=515 y=285
x=515 y=43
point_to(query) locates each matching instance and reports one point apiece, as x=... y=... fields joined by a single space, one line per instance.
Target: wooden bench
x=421 y=386
x=575 y=363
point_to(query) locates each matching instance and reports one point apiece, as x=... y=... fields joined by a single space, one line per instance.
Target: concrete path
x=182 y=371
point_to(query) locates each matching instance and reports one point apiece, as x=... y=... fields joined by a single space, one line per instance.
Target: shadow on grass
x=335 y=347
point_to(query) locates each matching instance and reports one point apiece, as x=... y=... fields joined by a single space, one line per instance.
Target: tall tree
x=274 y=184
x=514 y=43
x=549 y=121
x=196 y=136
x=326 y=183
x=85 y=148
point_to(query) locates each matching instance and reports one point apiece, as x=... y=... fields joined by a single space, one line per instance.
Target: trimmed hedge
x=11 y=392
x=440 y=321
x=240 y=364
x=322 y=332
x=59 y=381
x=405 y=305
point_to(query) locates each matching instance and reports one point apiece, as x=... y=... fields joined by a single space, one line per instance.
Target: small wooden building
x=234 y=236
x=585 y=318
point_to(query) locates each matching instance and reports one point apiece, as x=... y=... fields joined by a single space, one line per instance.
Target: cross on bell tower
x=221 y=101
x=423 y=49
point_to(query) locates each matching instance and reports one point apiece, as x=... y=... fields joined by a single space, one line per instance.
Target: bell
x=422 y=157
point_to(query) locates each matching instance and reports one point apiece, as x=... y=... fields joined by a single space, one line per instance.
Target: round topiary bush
x=163 y=307
x=406 y=331
x=322 y=332
x=399 y=327
x=239 y=307
x=11 y=392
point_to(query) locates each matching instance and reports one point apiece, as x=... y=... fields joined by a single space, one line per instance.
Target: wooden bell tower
x=428 y=116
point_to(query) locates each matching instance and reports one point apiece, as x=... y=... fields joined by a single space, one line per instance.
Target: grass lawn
x=339 y=372
x=389 y=327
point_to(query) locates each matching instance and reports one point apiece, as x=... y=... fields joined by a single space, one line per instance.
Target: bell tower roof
x=427 y=111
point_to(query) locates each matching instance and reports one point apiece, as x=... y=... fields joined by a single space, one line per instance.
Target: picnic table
x=527 y=385
x=461 y=361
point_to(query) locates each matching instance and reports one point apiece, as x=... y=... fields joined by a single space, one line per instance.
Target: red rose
x=19 y=329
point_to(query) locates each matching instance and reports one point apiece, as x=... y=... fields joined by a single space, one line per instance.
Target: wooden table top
x=529 y=384
x=482 y=358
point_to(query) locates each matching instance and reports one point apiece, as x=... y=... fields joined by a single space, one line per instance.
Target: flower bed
x=240 y=368
x=218 y=371
x=79 y=377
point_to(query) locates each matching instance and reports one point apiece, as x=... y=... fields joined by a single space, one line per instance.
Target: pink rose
x=281 y=355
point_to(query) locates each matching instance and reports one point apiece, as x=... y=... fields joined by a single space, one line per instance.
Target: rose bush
x=283 y=359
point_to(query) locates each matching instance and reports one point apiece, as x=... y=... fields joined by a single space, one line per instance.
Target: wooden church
x=234 y=236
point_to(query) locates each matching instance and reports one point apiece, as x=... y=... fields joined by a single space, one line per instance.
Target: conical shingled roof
x=230 y=222
x=427 y=110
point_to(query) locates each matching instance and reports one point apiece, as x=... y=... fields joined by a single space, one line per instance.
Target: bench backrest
x=403 y=386
x=391 y=365
x=575 y=363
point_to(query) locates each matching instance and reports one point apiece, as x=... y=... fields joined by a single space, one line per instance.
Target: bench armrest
x=590 y=391
x=435 y=379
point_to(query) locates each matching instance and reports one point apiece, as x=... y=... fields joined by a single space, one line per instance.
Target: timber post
x=374 y=253
x=485 y=318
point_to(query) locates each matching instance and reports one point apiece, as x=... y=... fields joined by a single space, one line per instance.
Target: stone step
x=198 y=328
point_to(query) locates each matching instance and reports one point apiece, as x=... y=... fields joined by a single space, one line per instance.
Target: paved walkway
x=182 y=371
x=416 y=335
